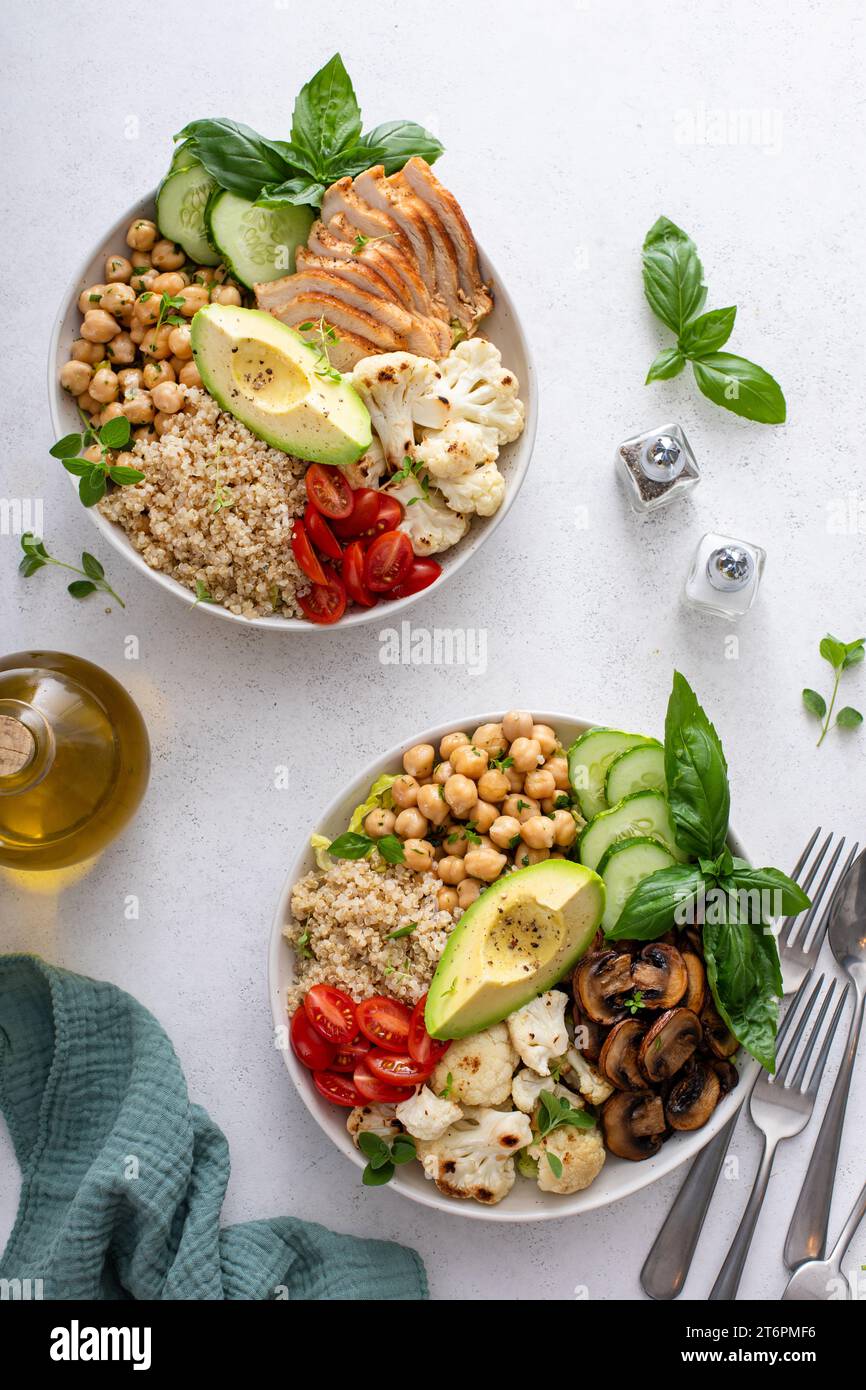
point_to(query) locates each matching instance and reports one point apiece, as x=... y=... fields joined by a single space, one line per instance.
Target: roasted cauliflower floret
x=372 y=1119
x=480 y=1068
x=400 y=391
x=587 y=1078
x=457 y=450
x=578 y=1158
x=480 y=389
x=528 y=1085
x=538 y=1030
x=368 y=470
x=430 y=525
x=427 y=1116
x=475 y=1158
x=480 y=491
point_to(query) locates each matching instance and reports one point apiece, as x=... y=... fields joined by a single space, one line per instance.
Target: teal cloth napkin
x=123 y=1178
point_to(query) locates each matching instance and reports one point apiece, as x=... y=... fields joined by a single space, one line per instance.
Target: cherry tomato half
x=321 y=534
x=423 y=1049
x=309 y=1046
x=385 y=1022
x=305 y=555
x=396 y=1069
x=353 y=575
x=328 y=490
x=324 y=603
x=380 y=1092
x=365 y=509
x=349 y=1054
x=422 y=574
x=332 y=1013
x=390 y=514
x=388 y=560
x=339 y=1090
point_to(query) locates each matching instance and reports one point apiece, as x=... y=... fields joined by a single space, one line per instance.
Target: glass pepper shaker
x=657 y=467
x=725 y=575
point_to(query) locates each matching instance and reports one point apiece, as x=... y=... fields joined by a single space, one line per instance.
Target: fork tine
x=790 y=1012
x=813 y=1038
x=818 y=1070
x=798 y=867
x=783 y=1063
x=805 y=921
x=789 y=925
x=821 y=930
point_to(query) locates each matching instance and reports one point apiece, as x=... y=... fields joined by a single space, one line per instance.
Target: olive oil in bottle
x=74 y=759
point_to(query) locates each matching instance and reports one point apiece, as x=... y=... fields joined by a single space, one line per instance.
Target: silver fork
x=668 y=1262
x=781 y=1107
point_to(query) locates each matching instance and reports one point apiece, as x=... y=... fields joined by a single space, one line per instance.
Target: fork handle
x=729 y=1276
x=807 y=1233
x=670 y=1258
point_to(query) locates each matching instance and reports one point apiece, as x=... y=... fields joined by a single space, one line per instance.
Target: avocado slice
x=517 y=939
x=270 y=379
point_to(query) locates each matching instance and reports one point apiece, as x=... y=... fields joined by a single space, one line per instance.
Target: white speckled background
x=561 y=123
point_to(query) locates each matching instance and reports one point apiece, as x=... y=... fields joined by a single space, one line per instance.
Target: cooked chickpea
x=539 y=783
x=111 y=412
x=137 y=332
x=143 y=433
x=82 y=351
x=517 y=724
x=118 y=299
x=91 y=298
x=189 y=375
x=121 y=350
x=146 y=309
x=167 y=256
x=155 y=373
x=559 y=767
x=117 y=269
x=225 y=294
x=194 y=297
x=491 y=739
x=418 y=855
x=410 y=824
x=456 y=841
x=379 y=822
x=167 y=397
x=432 y=803
x=486 y=864
x=179 y=342
x=520 y=806
x=418 y=760
x=469 y=761
x=546 y=737
x=93 y=454
x=526 y=753
x=448 y=744
x=484 y=813
x=162 y=422
x=155 y=342
x=99 y=327
x=169 y=282
x=447 y=900
x=142 y=234
x=468 y=891
x=205 y=275
x=461 y=794
x=493 y=785
x=139 y=408
x=564 y=828
x=126 y=459
x=87 y=403
x=537 y=832
x=503 y=830
x=104 y=387
x=451 y=869
x=441 y=772
x=75 y=377
x=404 y=792
x=142 y=279
x=524 y=855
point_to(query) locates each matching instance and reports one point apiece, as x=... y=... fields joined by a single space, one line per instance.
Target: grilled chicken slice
x=398 y=259
x=420 y=336
x=408 y=213
x=351 y=268
x=418 y=175
x=343 y=318
x=343 y=198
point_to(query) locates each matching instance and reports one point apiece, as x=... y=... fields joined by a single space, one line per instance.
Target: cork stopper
x=17 y=746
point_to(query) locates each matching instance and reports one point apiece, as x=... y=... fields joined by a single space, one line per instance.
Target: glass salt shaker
x=724 y=576
x=657 y=467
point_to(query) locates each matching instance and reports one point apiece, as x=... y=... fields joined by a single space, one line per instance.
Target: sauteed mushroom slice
x=633 y=1124
x=598 y=980
x=696 y=990
x=726 y=1072
x=588 y=1036
x=659 y=972
x=717 y=1036
x=619 y=1056
x=693 y=1099
x=669 y=1044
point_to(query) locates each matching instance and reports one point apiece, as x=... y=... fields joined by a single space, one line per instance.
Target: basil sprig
x=326 y=144
x=673 y=284
x=719 y=890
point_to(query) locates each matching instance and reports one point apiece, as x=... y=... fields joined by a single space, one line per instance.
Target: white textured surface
x=561 y=127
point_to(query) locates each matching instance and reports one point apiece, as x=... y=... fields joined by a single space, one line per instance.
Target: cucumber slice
x=180 y=207
x=183 y=157
x=588 y=760
x=622 y=866
x=642 y=813
x=636 y=770
x=257 y=244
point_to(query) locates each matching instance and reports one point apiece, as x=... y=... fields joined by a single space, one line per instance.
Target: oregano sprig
x=841 y=656
x=383 y=1158
x=94 y=474
x=36 y=557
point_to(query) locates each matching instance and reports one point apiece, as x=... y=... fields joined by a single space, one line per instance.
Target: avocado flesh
x=518 y=939
x=270 y=379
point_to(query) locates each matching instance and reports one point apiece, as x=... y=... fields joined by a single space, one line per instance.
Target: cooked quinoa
x=216 y=506
x=344 y=915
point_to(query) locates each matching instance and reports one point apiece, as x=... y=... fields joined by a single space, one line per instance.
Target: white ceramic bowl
x=503 y=327
x=618 y=1178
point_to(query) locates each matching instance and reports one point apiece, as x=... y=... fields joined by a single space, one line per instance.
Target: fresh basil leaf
x=67 y=447
x=241 y=160
x=848 y=717
x=92 y=487
x=653 y=907
x=30 y=564
x=91 y=566
x=377 y=1177
x=115 y=433
x=790 y=900
x=708 y=333
x=744 y=975
x=350 y=845
x=327 y=117
x=672 y=274
x=391 y=849
x=696 y=775
x=669 y=362
x=301 y=189
x=80 y=588
x=815 y=703
x=740 y=386
x=394 y=143
x=833 y=651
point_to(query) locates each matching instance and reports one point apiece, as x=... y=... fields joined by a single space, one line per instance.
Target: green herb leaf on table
x=740 y=386
x=841 y=656
x=696 y=774
x=669 y=363
x=672 y=274
x=708 y=332
x=36 y=557
x=849 y=718
x=815 y=703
